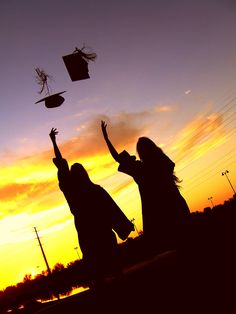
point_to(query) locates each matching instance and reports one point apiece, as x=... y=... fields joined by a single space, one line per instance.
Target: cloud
x=19 y=226
x=28 y=197
x=25 y=190
x=123 y=129
x=198 y=136
x=187 y=92
x=163 y=108
x=29 y=183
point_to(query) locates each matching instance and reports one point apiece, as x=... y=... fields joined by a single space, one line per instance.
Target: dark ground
x=198 y=277
x=167 y=283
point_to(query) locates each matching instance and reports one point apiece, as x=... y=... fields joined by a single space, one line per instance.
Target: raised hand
x=53 y=134
x=104 y=129
x=111 y=148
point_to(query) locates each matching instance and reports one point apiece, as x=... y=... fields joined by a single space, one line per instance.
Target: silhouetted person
x=96 y=215
x=163 y=207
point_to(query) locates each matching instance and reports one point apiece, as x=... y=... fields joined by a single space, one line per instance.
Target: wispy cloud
x=199 y=136
x=22 y=191
x=30 y=182
x=18 y=227
x=164 y=108
x=123 y=128
x=187 y=92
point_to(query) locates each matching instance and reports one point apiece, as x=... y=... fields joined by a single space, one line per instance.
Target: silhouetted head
x=147 y=149
x=79 y=174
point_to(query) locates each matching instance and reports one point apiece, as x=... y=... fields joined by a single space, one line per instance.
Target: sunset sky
x=165 y=69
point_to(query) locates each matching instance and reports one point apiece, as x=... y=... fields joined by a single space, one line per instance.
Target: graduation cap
x=77 y=64
x=52 y=101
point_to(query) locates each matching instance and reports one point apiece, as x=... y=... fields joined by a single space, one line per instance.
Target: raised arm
x=111 y=148
x=52 y=135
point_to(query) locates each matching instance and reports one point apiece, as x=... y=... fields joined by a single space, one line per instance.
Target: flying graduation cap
x=77 y=63
x=51 y=101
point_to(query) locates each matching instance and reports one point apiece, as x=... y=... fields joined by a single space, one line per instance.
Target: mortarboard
x=52 y=101
x=77 y=64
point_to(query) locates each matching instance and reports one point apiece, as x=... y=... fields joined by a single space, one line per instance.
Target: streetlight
x=224 y=173
x=210 y=199
x=76 y=249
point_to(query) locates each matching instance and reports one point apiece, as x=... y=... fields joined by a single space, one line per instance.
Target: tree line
x=206 y=242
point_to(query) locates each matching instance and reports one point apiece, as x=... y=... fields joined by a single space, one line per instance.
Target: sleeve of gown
x=119 y=222
x=127 y=163
x=63 y=171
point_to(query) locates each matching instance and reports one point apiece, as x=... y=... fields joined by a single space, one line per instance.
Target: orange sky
x=29 y=193
x=165 y=70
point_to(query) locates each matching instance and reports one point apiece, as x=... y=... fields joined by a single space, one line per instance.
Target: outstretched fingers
x=54 y=130
x=53 y=133
x=103 y=124
x=104 y=127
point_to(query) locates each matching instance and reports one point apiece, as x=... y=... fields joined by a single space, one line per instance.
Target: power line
x=214 y=120
x=196 y=185
x=227 y=135
x=192 y=161
x=206 y=172
x=216 y=164
x=200 y=136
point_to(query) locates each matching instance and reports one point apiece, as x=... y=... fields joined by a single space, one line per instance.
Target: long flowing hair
x=79 y=175
x=149 y=151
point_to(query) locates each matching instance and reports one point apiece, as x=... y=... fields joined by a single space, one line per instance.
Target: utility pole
x=41 y=247
x=224 y=173
x=45 y=259
x=210 y=199
x=132 y=220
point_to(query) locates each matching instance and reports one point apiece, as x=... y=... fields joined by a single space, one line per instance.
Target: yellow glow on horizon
x=53 y=222
x=30 y=195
